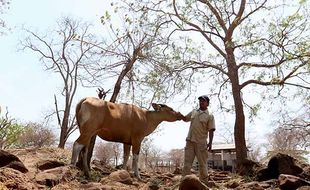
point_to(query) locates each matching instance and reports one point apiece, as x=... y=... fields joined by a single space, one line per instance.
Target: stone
x=290 y=182
x=122 y=176
x=192 y=182
x=49 y=164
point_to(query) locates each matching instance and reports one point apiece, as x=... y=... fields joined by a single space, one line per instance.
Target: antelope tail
x=77 y=109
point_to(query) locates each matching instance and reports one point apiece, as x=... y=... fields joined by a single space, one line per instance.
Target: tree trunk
x=63 y=134
x=239 y=127
x=61 y=140
x=64 y=129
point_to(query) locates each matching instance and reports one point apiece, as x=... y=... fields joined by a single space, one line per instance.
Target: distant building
x=222 y=157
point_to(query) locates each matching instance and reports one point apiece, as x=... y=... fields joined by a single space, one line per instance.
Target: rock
x=17 y=165
x=254 y=185
x=154 y=184
x=304 y=188
x=47 y=179
x=102 y=168
x=290 y=182
x=232 y=184
x=279 y=164
x=95 y=186
x=14 y=179
x=6 y=158
x=53 y=177
x=283 y=164
x=249 y=168
x=49 y=164
x=11 y=161
x=191 y=182
x=263 y=174
x=306 y=173
x=177 y=171
x=272 y=183
x=122 y=176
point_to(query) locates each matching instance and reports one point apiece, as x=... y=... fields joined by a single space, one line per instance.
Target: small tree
x=10 y=131
x=36 y=135
x=177 y=157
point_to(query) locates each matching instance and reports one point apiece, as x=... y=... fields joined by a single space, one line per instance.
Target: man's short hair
x=204 y=97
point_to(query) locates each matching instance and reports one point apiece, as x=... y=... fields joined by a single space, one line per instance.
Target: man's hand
x=209 y=146
x=183 y=118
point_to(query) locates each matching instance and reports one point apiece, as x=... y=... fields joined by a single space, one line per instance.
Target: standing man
x=197 y=143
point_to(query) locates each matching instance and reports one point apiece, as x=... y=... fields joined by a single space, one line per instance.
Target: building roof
x=223 y=147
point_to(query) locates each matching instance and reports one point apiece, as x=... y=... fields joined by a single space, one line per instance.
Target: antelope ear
x=156 y=106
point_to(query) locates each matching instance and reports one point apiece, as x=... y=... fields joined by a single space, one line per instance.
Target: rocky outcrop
x=57 y=175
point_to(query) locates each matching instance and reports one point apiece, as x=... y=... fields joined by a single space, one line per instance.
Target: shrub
x=36 y=135
x=10 y=131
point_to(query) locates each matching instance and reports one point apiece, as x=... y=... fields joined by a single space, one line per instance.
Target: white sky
x=27 y=90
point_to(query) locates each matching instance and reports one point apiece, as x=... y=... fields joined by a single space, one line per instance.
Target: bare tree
x=4 y=5
x=155 y=158
x=66 y=53
x=237 y=50
x=104 y=152
x=116 y=147
x=255 y=151
x=297 y=123
x=108 y=152
x=287 y=141
x=177 y=157
x=146 y=148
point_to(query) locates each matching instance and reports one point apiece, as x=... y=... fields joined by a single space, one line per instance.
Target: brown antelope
x=124 y=123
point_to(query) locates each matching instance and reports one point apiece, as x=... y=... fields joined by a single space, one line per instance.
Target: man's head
x=203 y=102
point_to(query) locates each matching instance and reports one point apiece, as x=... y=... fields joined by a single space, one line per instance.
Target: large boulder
x=279 y=164
x=11 y=161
